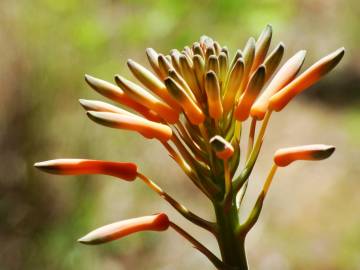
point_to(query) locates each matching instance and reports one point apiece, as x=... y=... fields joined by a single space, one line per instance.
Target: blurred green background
x=311 y=219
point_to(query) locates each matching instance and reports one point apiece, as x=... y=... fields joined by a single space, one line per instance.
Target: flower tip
x=90 y=79
x=85 y=103
x=85 y=240
x=40 y=165
x=224 y=150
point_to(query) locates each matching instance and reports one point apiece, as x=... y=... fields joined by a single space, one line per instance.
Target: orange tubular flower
x=261 y=47
x=100 y=106
x=124 y=170
x=285 y=75
x=115 y=93
x=212 y=88
x=149 y=80
x=145 y=127
x=249 y=96
x=234 y=82
x=141 y=95
x=284 y=156
x=158 y=222
x=305 y=80
x=191 y=109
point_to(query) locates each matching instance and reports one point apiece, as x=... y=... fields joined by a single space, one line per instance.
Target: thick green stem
x=231 y=247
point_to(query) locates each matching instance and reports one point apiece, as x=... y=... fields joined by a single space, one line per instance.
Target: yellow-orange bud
x=142 y=96
x=285 y=75
x=249 y=96
x=149 y=80
x=114 y=93
x=191 y=109
x=212 y=88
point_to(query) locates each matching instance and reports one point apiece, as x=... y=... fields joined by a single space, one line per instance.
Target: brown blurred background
x=311 y=219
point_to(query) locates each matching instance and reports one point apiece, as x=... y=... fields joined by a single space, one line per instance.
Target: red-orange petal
x=158 y=222
x=123 y=170
x=284 y=156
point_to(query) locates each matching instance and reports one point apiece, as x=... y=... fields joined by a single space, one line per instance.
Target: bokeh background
x=311 y=219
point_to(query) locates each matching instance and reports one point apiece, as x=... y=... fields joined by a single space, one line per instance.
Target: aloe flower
x=195 y=102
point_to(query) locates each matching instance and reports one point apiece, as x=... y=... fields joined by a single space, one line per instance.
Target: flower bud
x=284 y=156
x=262 y=46
x=149 y=80
x=100 y=106
x=212 y=88
x=285 y=75
x=145 y=127
x=191 y=109
x=123 y=170
x=273 y=60
x=305 y=80
x=114 y=231
x=152 y=56
x=142 y=96
x=213 y=64
x=233 y=85
x=248 y=56
x=249 y=96
x=224 y=150
x=116 y=94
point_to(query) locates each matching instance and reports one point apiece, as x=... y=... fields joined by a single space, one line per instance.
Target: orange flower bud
x=305 y=80
x=191 y=109
x=213 y=64
x=247 y=99
x=142 y=96
x=114 y=231
x=262 y=46
x=145 y=127
x=199 y=69
x=164 y=66
x=224 y=150
x=115 y=93
x=149 y=80
x=223 y=65
x=248 y=56
x=152 y=56
x=285 y=75
x=212 y=88
x=188 y=74
x=273 y=60
x=123 y=170
x=284 y=156
x=100 y=106
x=233 y=85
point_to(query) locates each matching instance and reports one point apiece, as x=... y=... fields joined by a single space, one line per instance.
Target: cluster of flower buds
x=194 y=102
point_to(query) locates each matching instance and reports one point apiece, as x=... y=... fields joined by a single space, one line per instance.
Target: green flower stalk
x=195 y=102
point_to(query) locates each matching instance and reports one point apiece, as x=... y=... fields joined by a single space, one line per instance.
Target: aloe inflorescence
x=195 y=103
